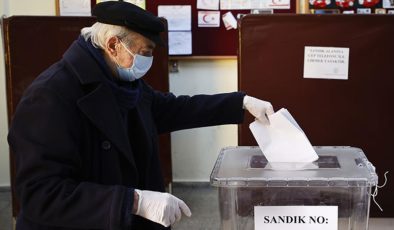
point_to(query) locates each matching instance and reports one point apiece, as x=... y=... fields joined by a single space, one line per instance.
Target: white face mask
x=141 y=65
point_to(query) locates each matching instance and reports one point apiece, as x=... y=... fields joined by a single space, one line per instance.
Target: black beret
x=130 y=16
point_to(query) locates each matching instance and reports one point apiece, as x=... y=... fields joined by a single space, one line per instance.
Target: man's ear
x=110 y=46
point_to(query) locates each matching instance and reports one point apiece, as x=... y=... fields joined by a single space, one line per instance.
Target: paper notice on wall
x=208 y=4
x=235 y=4
x=208 y=18
x=180 y=43
x=274 y=4
x=283 y=140
x=229 y=21
x=74 y=8
x=179 y=17
x=388 y=4
x=254 y=4
x=326 y=62
x=296 y=217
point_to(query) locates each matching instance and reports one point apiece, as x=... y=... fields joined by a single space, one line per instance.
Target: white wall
x=29 y=7
x=194 y=152
x=9 y=8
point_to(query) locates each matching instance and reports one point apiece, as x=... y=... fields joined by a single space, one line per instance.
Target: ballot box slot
x=324 y=162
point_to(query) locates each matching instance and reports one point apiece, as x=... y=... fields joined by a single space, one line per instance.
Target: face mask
x=141 y=65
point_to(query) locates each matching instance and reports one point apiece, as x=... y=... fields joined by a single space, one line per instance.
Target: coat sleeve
x=173 y=113
x=44 y=139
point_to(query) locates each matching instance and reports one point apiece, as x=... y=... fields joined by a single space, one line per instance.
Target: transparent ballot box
x=342 y=177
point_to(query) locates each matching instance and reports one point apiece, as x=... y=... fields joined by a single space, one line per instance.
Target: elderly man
x=85 y=132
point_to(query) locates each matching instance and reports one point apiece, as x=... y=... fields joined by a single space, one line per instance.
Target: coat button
x=106 y=145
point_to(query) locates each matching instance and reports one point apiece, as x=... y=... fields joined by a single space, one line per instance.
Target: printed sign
x=74 y=8
x=179 y=17
x=208 y=4
x=296 y=217
x=253 y=4
x=326 y=62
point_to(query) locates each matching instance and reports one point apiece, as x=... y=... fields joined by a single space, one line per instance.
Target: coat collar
x=83 y=65
x=99 y=104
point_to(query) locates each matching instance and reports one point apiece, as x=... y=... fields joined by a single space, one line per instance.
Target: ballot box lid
x=337 y=166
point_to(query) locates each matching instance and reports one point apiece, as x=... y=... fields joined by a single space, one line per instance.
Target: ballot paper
x=283 y=140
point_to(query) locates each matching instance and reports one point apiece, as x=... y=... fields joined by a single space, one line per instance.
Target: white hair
x=100 y=33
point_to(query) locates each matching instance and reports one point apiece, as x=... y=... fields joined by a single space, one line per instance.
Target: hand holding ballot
x=283 y=139
x=258 y=108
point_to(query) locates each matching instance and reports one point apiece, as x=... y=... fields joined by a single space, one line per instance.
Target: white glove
x=162 y=208
x=258 y=108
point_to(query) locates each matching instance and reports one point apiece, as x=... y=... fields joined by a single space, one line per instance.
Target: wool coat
x=76 y=165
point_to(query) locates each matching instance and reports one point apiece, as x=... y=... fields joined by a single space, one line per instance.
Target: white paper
x=229 y=21
x=364 y=11
x=388 y=4
x=348 y=12
x=276 y=4
x=179 y=17
x=235 y=4
x=208 y=18
x=74 y=8
x=208 y=4
x=254 y=4
x=283 y=140
x=296 y=217
x=326 y=62
x=180 y=43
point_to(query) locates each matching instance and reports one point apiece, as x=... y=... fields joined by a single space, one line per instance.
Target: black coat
x=75 y=168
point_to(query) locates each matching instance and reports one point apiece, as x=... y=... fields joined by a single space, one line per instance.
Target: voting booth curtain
x=355 y=112
x=33 y=43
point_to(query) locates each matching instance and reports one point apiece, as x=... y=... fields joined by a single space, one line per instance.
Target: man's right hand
x=162 y=208
x=258 y=108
